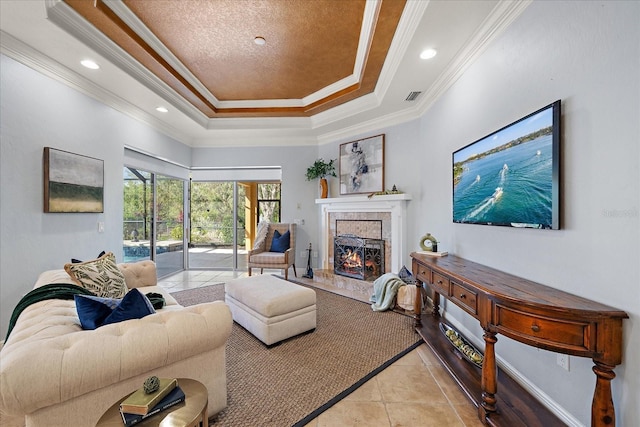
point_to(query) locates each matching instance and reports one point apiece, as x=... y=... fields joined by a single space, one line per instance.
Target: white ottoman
x=270 y=308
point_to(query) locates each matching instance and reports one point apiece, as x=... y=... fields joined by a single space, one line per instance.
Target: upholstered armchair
x=272 y=249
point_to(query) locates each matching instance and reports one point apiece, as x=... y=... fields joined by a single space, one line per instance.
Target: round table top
x=180 y=415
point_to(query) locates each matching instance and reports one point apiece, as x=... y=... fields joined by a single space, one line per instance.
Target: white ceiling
x=459 y=30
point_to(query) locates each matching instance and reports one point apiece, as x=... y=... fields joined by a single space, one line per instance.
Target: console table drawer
x=465 y=298
x=557 y=333
x=440 y=284
x=423 y=274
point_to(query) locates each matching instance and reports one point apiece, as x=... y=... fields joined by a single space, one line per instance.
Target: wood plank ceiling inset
x=310 y=45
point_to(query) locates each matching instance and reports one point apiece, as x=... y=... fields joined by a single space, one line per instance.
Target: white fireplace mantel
x=395 y=204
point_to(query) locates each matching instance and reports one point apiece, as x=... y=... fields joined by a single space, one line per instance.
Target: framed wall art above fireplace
x=72 y=182
x=362 y=165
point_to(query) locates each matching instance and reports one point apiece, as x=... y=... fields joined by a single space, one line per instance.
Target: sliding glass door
x=214 y=218
x=138 y=214
x=169 y=224
x=154 y=219
x=217 y=231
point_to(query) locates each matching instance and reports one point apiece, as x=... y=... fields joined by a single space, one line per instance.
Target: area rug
x=292 y=383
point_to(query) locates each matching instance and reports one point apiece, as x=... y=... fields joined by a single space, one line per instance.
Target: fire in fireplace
x=358 y=257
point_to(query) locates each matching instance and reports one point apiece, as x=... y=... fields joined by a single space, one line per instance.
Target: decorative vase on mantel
x=324 y=188
x=321 y=169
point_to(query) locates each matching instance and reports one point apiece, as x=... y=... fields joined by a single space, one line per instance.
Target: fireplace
x=390 y=209
x=358 y=257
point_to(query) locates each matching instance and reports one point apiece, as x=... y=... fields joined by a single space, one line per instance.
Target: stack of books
x=140 y=405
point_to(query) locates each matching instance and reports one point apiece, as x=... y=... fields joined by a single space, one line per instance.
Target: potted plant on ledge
x=321 y=169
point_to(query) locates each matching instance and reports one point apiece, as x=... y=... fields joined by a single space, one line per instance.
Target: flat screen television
x=511 y=176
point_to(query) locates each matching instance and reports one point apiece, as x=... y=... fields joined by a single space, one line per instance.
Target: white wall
x=37 y=112
x=588 y=55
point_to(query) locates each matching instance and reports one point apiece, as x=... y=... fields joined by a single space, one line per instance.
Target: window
x=268 y=202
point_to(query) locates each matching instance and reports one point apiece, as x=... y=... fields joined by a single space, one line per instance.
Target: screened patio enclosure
x=214 y=220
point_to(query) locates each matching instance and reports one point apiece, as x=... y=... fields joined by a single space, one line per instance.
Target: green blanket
x=385 y=289
x=52 y=291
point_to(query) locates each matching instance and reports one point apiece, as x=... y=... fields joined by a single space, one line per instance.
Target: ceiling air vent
x=412 y=96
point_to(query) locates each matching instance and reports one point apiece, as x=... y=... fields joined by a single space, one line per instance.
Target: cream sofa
x=53 y=373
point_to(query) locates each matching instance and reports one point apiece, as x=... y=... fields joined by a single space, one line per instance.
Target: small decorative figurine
x=151 y=385
x=394 y=190
x=429 y=243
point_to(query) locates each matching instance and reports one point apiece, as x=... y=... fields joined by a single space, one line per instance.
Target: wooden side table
x=191 y=413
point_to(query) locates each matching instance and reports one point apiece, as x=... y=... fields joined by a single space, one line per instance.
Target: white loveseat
x=54 y=373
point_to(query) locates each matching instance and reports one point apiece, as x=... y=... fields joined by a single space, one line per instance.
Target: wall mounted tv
x=511 y=176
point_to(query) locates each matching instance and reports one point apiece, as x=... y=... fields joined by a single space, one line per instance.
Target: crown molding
x=269 y=131
x=137 y=26
x=220 y=132
x=259 y=123
x=500 y=18
x=43 y=64
x=342 y=111
x=409 y=22
x=370 y=126
x=256 y=138
x=69 y=20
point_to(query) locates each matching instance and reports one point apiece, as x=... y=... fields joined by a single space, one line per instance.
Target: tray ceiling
x=316 y=54
x=328 y=68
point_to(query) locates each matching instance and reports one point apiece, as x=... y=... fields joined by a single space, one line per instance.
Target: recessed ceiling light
x=162 y=110
x=89 y=64
x=428 y=53
x=260 y=41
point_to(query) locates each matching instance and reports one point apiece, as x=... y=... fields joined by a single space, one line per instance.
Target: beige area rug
x=293 y=382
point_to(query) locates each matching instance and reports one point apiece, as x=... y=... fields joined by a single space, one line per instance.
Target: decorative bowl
x=464 y=347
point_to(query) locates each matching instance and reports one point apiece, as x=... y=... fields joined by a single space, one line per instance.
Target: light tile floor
x=416 y=391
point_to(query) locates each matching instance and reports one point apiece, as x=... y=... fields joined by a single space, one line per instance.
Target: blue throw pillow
x=406 y=276
x=134 y=305
x=96 y=311
x=93 y=310
x=280 y=243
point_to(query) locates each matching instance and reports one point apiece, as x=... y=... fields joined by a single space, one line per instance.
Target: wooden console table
x=525 y=311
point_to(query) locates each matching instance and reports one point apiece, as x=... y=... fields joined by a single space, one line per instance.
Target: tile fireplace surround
x=390 y=209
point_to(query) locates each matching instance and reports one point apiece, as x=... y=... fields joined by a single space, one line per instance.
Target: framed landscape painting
x=362 y=166
x=72 y=182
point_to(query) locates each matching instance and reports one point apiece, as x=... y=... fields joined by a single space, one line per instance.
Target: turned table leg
x=436 y=305
x=602 y=409
x=489 y=377
x=417 y=305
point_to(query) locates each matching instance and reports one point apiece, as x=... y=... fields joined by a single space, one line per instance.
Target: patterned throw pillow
x=261 y=235
x=101 y=276
x=406 y=276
